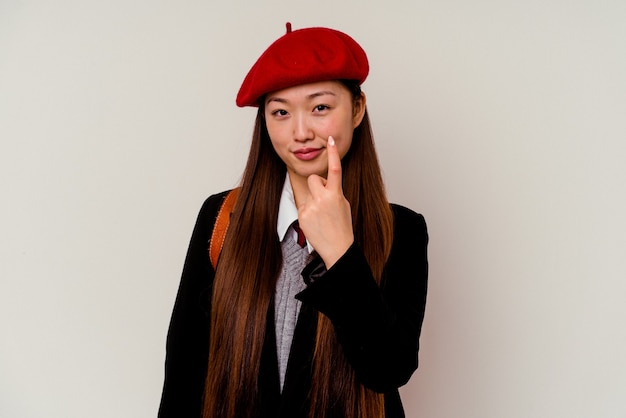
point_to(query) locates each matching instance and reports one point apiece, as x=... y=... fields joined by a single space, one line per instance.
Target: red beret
x=303 y=56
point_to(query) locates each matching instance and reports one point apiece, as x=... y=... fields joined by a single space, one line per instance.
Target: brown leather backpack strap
x=221 y=226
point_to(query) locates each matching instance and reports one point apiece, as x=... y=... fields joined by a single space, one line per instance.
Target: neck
x=300 y=188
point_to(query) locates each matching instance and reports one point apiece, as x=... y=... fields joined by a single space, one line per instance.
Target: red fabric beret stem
x=300 y=57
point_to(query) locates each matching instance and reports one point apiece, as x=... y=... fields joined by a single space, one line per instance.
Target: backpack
x=221 y=226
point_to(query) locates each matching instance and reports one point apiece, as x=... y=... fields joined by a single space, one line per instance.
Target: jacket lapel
x=293 y=401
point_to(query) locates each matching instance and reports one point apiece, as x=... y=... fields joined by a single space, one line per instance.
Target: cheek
x=347 y=132
x=275 y=145
x=343 y=137
x=341 y=129
x=271 y=130
x=274 y=128
x=276 y=137
x=344 y=146
x=279 y=149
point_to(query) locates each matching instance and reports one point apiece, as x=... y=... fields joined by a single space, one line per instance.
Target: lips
x=306 y=154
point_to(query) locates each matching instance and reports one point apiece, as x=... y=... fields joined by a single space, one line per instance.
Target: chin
x=308 y=172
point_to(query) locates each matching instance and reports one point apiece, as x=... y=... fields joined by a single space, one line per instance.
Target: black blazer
x=378 y=327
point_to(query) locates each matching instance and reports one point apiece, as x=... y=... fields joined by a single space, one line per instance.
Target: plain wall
x=503 y=122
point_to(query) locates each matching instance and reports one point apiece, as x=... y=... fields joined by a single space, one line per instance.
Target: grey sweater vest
x=286 y=306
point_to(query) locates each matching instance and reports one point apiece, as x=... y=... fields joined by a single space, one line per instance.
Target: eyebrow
x=320 y=93
x=308 y=97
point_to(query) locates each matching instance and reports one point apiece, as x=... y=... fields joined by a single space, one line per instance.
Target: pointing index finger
x=333 y=179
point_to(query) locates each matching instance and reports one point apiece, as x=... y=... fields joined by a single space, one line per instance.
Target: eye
x=279 y=112
x=321 y=108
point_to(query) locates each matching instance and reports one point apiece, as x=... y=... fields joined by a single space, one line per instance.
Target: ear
x=358 y=111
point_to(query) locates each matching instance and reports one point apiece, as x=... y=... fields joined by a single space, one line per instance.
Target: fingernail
x=331 y=141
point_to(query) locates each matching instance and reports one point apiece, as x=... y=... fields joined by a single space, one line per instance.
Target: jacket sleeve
x=188 y=335
x=377 y=326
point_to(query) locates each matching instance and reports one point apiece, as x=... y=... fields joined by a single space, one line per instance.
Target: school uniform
x=378 y=327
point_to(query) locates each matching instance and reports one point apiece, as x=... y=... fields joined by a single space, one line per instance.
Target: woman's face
x=300 y=119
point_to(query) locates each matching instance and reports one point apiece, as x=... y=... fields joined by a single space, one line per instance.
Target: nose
x=302 y=130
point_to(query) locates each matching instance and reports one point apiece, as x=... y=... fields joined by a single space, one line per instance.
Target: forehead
x=308 y=91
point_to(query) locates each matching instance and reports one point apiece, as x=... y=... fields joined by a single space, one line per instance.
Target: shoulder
x=207 y=216
x=405 y=216
x=215 y=201
x=409 y=224
x=212 y=205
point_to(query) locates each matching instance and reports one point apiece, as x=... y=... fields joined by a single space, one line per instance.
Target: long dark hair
x=249 y=266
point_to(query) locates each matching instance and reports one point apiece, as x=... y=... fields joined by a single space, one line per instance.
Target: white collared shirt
x=288 y=213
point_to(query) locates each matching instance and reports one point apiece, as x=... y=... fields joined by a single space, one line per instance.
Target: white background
x=503 y=122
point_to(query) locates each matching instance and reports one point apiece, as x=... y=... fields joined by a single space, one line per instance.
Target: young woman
x=316 y=304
